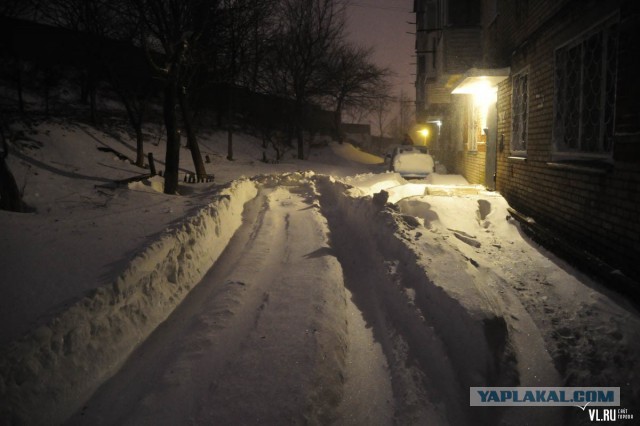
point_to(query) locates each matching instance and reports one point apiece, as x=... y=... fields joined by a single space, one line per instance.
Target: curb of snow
x=465 y=317
x=46 y=375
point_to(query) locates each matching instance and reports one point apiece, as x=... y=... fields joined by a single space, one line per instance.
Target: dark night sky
x=382 y=24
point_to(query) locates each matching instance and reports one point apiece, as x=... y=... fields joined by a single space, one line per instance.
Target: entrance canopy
x=477 y=80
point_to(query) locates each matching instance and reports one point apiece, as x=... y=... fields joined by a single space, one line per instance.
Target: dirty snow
x=276 y=295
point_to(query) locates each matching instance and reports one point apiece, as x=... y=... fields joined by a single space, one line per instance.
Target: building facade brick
x=587 y=195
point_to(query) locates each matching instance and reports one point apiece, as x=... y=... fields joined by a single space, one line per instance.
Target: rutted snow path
x=262 y=339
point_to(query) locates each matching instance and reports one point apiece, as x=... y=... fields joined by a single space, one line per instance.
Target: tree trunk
x=300 y=136
x=84 y=89
x=172 y=158
x=88 y=95
x=230 y=144
x=299 y=131
x=19 y=87
x=136 y=123
x=135 y=105
x=93 y=104
x=46 y=94
x=139 y=145
x=10 y=197
x=231 y=113
x=192 y=141
x=337 y=122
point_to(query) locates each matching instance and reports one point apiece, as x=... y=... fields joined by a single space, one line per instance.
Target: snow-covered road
x=327 y=308
x=262 y=339
x=299 y=321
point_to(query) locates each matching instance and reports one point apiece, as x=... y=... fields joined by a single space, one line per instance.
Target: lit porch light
x=481 y=88
x=481 y=83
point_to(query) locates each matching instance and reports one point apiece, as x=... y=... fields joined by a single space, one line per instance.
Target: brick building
x=539 y=99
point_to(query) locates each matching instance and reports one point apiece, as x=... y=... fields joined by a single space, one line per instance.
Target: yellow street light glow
x=424 y=132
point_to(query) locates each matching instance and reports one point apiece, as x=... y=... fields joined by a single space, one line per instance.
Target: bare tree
x=381 y=110
x=353 y=81
x=306 y=33
x=10 y=196
x=403 y=119
x=134 y=88
x=238 y=43
x=192 y=140
x=176 y=26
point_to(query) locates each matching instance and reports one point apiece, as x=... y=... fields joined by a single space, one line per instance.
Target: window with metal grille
x=585 y=80
x=519 y=112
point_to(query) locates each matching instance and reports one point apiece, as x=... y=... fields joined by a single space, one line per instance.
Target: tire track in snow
x=204 y=316
x=261 y=339
x=424 y=385
x=368 y=395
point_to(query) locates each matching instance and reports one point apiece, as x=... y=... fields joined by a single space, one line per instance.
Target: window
x=519 y=113
x=585 y=78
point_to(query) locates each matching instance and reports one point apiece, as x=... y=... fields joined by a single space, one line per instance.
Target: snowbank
x=435 y=283
x=397 y=188
x=351 y=153
x=47 y=373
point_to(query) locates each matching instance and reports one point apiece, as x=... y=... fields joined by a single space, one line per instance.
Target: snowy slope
x=82 y=235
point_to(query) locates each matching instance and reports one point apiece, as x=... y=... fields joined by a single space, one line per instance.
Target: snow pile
x=153 y=184
x=546 y=297
x=368 y=184
x=396 y=188
x=350 y=152
x=427 y=292
x=563 y=329
x=48 y=372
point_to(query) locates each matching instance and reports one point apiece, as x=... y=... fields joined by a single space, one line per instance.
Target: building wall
x=461 y=49
x=594 y=205
x=472 y=163
x=470 y=159
x=443 y=55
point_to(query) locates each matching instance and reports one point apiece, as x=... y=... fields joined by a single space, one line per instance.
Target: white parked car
x=411 y=161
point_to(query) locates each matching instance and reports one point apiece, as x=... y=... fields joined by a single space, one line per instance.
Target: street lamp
x=424 y=132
